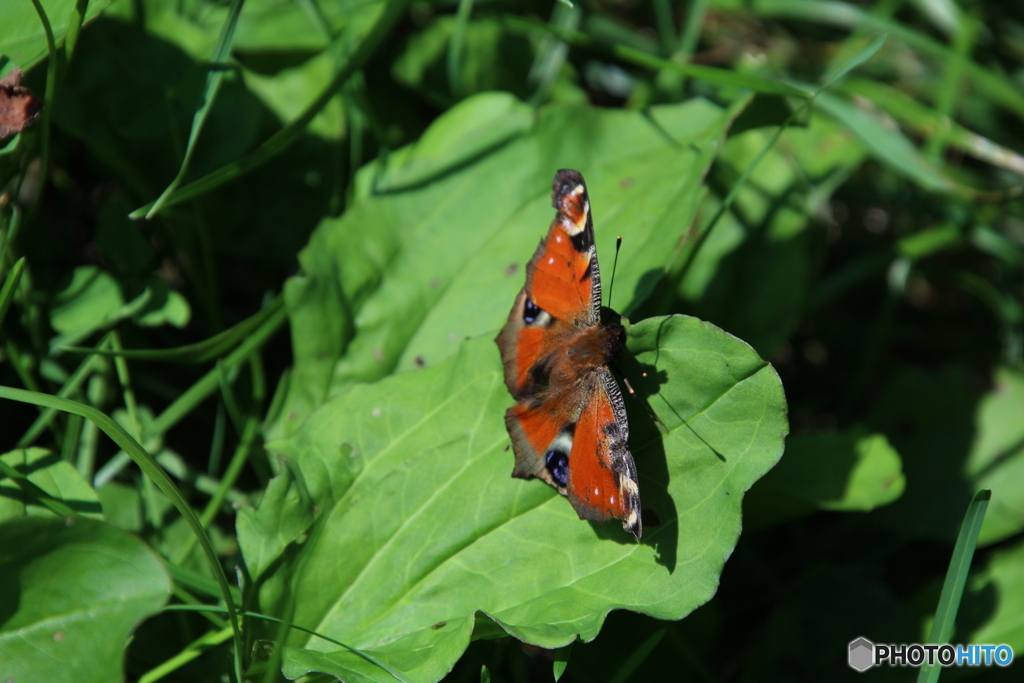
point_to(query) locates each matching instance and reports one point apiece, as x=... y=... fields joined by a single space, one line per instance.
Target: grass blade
x=75 y=28
x=209 y=382
x=50 y=92
x=249 y=435
x=200 y=352
x=10 y=287
x=640 y=58
x=629 y=667
x=255 y=615
x=862 y=55
x=213 y=80
x=551 y=52
x=988 y=83
x=931 y=123
x=891 y=147
x=956 y=577
x=194 y=649
x=455 y=47
x=70 y=386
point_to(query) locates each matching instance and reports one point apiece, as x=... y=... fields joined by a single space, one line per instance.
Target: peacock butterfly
x=568 y=426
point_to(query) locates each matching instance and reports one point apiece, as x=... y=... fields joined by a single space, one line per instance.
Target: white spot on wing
x=562 y=443
x=543 y=320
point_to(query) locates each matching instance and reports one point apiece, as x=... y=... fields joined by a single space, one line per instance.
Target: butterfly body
x=569 y=425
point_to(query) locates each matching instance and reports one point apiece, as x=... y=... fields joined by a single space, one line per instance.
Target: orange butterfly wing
x=569 y=426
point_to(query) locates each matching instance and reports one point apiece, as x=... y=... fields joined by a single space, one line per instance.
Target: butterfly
x=569 y=426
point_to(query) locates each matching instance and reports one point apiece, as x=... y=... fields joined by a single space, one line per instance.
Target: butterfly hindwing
x=577 y=443
x=542 y=433
x=604 y=486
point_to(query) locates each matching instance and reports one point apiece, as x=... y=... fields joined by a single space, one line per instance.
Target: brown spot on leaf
x=512 y=269
x=439 y=625
x=19 y=108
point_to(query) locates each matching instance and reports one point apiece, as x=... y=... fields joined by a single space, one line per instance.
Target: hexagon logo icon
x=862 y=654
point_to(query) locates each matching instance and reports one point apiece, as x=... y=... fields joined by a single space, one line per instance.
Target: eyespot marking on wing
x=534 y=315
x=557 y=464
x=556 y=458
x=530 y=312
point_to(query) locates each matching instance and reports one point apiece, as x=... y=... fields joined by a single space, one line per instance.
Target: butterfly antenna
x=615 y=262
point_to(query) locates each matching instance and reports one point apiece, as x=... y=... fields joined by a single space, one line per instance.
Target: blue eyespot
x=530 y=312
x=557 y=463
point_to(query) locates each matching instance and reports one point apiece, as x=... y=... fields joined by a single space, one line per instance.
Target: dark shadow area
x=759 y=289
x=764 y=110
x=645 y=286
x=10 y=580
x=929 y=417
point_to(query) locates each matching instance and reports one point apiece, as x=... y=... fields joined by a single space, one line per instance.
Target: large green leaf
x=419 y=525
x=73 y=591
x=432 y=250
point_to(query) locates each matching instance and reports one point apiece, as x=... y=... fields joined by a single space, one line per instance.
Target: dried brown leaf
x=19 y=108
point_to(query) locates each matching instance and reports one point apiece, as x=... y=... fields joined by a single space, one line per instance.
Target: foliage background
x=362 y=169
